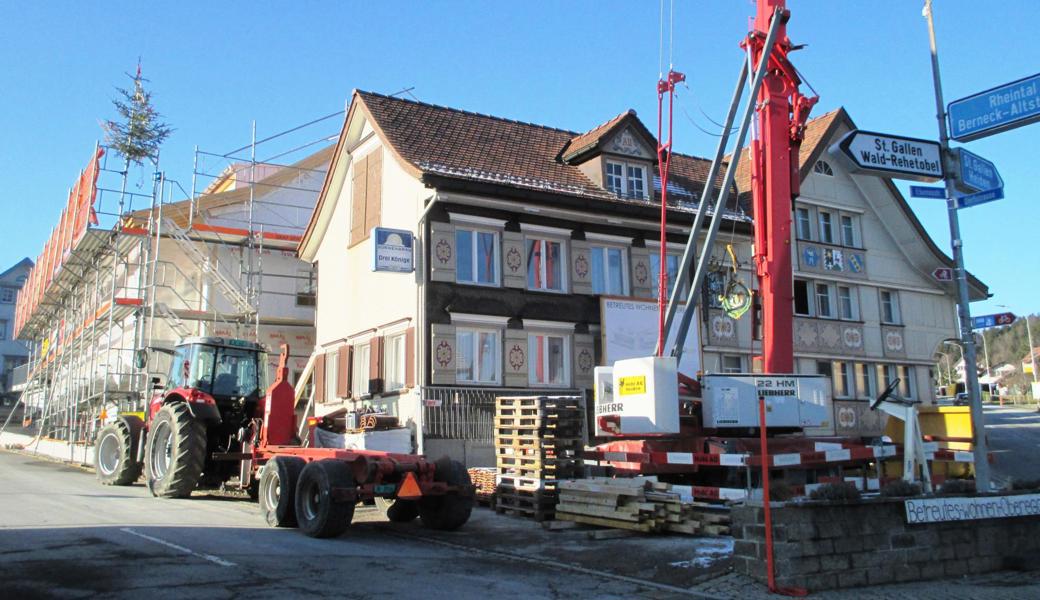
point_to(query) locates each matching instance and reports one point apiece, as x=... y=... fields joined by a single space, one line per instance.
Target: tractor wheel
x=175 y=453
x=317 y=511
x=398 y=511
x=452 y=510
x=278 y=490
x=115 y=452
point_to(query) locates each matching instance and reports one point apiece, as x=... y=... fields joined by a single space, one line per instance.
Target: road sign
x=976 y=173
x=924 y=191
x=890 y=155
x=998 y=109
x=984 y=321
x=979 y=198
x=943 y=274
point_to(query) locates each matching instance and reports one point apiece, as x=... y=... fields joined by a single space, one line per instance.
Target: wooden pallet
x=538 y=420
x=543 y=402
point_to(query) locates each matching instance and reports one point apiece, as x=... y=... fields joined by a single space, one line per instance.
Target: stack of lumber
x=538 y=442
x=483 y=479
x=637 y=504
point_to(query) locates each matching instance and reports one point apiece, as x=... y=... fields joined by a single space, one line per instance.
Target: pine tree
x=140 y=130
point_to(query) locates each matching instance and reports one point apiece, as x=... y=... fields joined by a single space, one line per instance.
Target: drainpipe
x=421 y=328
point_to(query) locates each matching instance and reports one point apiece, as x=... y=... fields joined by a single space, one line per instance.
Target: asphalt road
x=1014 y=439
x=64 y=536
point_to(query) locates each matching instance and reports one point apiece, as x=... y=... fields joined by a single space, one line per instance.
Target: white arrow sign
x=890 y=155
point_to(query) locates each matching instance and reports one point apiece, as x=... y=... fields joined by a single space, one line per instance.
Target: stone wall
x=827 y=546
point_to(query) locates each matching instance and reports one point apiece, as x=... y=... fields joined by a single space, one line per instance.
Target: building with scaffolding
x=131 y=269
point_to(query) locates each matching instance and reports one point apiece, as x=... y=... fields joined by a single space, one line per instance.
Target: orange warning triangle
x=409 y=487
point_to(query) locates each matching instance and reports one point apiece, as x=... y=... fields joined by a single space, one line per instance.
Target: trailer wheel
x=278 y=490
x=452 y=510
x=175 y=453
x=115 y=452
x=318 y=512
x=398 y=511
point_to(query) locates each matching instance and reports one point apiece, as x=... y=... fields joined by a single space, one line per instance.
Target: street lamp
x=949 y=371
x=957 y=344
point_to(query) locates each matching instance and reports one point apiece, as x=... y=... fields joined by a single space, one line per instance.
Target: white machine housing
x=800 y=401
x=638 y=396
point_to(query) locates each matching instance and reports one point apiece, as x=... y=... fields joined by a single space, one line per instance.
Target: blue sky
x=216 y=66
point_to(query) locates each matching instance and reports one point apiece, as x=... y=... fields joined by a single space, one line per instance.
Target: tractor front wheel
x=452 y=510
x=278 y=490
x=175 y=453
x=319 y=511
x=115 y=452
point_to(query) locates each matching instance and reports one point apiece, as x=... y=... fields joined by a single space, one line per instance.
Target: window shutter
x=373 y=197
x=442 y=354
x=350 y=371
x=375 y=364
x=514 y=260
x=584 y=361
x=641 y=285
x=442 y=251
x=581 y=267
x=358 y=201
x=516 y=358
x=409 y=358
x=319 y=379
x=343 y=372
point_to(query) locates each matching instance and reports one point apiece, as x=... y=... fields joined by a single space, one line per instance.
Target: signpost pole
x=982 y=476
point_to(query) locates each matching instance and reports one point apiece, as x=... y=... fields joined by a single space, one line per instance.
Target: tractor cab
x=228 y=373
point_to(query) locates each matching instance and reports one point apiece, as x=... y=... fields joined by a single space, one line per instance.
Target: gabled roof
x=431 y=141
x=589 y=141
x=178 y=211
x=26 y=263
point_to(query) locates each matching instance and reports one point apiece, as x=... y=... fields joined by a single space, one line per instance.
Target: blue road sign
x=979 y=198
x=984 y=321
x=924 y=191
x=978 y=173
x=998 y=109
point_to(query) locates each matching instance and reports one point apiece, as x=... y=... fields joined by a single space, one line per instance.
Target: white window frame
x=723 y=368
x=654 y=253
x=832 y=308
x=475 y=350
x=361 y=369
x=630 y=181
x=394 y=362
x=810 y=290
x=908 y=381
x=870 y=372
x=826 y=231
x=625 y=191
x=609 y=177
x=852 y=239
x=331 y=375
x=564 y=264
x=8 y=295
x=495 y=259
x=893 y=295
x=853 y=303
x=803 y=228
x=545 y=335
x=603 y=248
x=843 y=376
x=3 y=329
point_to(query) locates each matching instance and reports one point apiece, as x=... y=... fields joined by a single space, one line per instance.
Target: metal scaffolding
x=147 y=271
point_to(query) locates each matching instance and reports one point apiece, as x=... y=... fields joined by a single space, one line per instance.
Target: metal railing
x=463 y=413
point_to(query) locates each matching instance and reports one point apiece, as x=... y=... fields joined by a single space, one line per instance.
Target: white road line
x=209 y=557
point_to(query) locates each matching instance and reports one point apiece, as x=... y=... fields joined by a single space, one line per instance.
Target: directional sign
x=998 y=109
x=924 y=191
x=890 y=155
x=943 y=274
x=984 y=321
x=976 y=173
x=979 y=198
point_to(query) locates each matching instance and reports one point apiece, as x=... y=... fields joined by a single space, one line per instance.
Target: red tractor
x=211 y=422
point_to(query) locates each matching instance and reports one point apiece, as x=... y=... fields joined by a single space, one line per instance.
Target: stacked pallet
x=637 y=504
x=538 y=441
x=483 y=478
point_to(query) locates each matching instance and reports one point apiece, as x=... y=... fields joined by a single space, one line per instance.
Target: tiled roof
x=593 y=136
x=458 y=144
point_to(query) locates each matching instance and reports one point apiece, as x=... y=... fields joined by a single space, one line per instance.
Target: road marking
x=209 y=557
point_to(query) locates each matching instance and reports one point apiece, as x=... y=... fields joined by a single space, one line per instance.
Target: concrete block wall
x=830 y=546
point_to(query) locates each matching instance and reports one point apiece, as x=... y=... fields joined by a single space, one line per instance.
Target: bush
x=900 y=489
x=1025 y=484
x=841 y=492
x=957 y=486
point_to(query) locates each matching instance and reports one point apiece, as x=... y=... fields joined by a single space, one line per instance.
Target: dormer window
x=627 y=180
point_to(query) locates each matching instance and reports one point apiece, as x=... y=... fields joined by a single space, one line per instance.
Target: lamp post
x=949 y=371
x=956 y=344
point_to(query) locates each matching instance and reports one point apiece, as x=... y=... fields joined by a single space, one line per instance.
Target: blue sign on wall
x=392 y=250
x=999 y=109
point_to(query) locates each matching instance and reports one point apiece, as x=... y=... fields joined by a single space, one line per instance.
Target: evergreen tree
x=140 y=130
